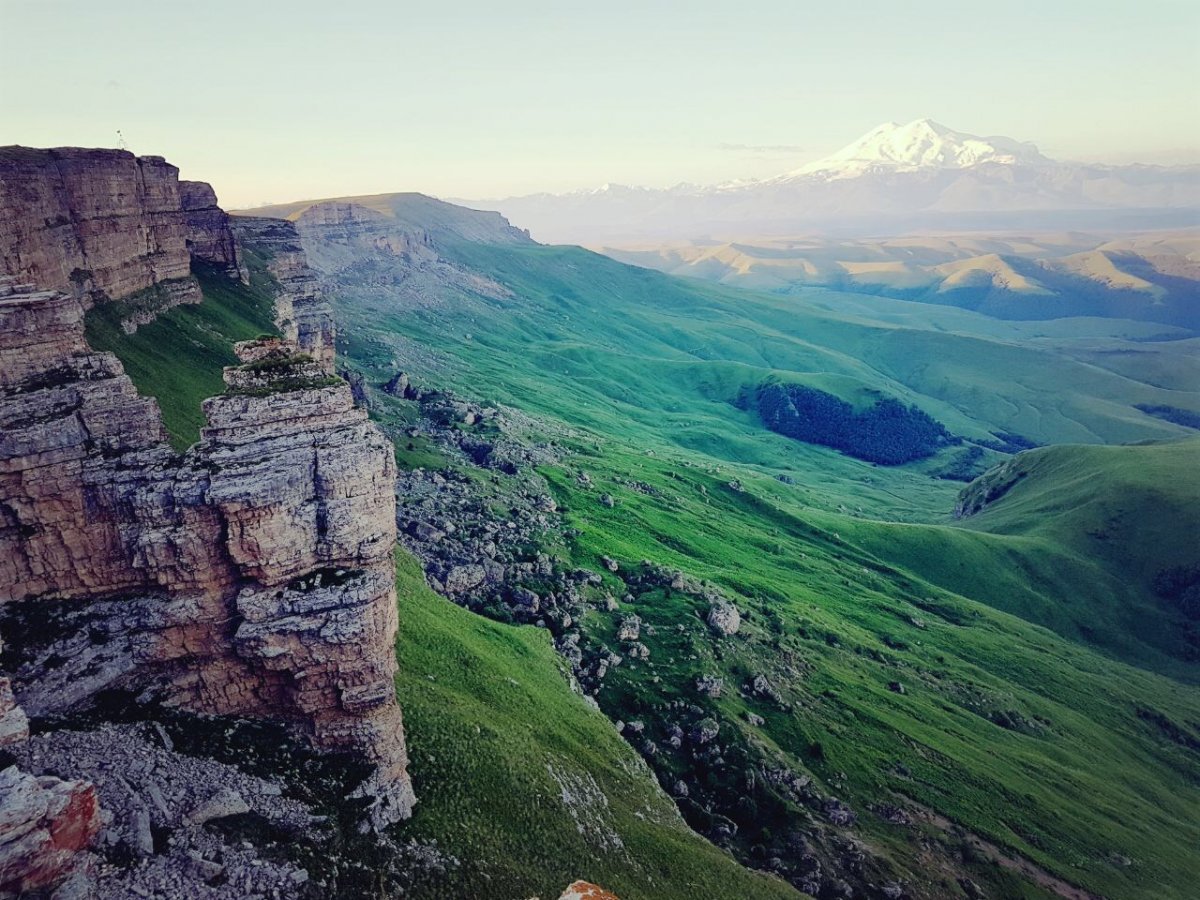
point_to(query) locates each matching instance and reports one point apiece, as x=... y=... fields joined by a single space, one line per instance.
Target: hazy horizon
x=482 y=102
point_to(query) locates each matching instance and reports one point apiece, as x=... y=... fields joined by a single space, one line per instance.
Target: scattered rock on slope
x=724 y=618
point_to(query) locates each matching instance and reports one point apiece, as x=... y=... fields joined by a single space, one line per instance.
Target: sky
x=273 y=101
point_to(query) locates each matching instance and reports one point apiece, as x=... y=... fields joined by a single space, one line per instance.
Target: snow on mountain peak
x=921 y=144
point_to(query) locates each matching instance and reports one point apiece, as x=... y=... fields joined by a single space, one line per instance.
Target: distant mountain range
x=1153 y=277
x=894 y=178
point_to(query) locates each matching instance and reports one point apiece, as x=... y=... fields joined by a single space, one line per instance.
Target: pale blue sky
x=273 y=100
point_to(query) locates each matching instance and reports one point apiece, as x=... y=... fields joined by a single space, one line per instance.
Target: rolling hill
x=886 y=660
x=1150 y=277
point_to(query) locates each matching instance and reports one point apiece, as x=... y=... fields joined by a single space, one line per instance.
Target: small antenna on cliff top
x=121 y=139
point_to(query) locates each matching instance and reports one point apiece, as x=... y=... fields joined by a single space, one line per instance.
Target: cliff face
x=252 y=576
x=208 y=235
x=92 y=222
x=390 y=248
x=301 y=311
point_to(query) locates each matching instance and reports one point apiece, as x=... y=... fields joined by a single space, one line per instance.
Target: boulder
x=44 y=824
x=14 y=726
x=464 y=577
x=724 y=618
x=397 y=385
x=585 y=890
x=630 y=629
x=220 y=805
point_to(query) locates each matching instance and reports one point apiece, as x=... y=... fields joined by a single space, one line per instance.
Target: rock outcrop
x=585 y=890
x=302 y=313
x=14 y=724
x=163 y=811
x=94 y=223
x=389 y=248
x=990 y=486
x=253 y=576
x=44 y=823
x=208 y=235
x=250 y=577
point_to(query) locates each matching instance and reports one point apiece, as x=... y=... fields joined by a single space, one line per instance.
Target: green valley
x=909 y=699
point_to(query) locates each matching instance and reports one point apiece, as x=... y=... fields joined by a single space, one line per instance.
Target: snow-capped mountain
x=894 y=177
x=922 y=144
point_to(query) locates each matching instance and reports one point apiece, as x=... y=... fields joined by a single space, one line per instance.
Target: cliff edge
x=251 y=576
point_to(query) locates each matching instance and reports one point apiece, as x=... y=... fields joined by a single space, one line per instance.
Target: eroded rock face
x=302 y=313
x=252 y=576
x=93 y=222
x=208 y=235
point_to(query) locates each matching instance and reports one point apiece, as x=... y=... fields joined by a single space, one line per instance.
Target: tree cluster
x=888 y=433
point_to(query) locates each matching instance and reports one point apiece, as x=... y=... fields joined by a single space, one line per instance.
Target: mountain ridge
x=891 y=178
x=922 y=143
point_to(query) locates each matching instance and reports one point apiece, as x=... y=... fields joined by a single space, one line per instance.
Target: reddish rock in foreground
x=44 y=823
x=585 y=890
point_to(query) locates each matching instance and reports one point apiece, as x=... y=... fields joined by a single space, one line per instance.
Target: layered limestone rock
x=44 y=823
x=391 y=250
x=357 y=228
x=252 y=576
x=208 y=236
x=96 y=223
x=302 y=313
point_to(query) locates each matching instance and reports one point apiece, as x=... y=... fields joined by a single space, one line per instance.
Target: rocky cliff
x=208 y=235
x=301 y=311
x=389 y=247
x=251 y=576
x=94 y=223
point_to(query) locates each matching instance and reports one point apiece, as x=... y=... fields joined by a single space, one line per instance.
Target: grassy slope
x=487 y=706
x=488 y=710
x=655 y=362
x=1097 y=780
x=179 y=356
x=835 y=624
x=580 y=312
x=1131 y=509
x=1074 y=545
x=835 y=613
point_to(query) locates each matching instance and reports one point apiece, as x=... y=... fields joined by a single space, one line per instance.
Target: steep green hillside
x=967 y=741
x=1132 y=510
x=179 y=356
x=1022 y=737
x=1077 y=539
x=634 y=347
x=882 y=686
x=523 y=784
x=526 y=785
